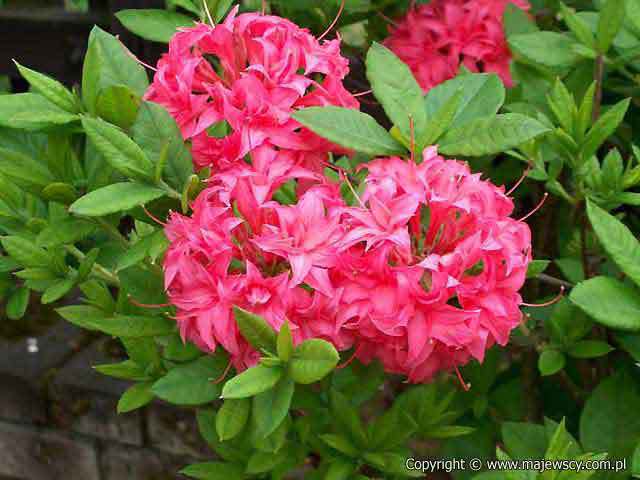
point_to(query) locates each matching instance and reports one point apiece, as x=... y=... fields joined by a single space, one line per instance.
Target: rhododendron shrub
x=344 y=281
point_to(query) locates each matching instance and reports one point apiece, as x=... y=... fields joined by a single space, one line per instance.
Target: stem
x=98 y=270
x=584 y=227
x=598 y=73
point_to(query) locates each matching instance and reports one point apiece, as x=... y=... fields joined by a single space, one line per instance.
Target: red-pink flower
x=437 y=38
x=251 y=71
x=422 y=274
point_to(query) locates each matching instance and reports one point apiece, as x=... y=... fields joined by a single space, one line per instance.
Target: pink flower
x=252 y=72
x=437 y=38
x=423 y=274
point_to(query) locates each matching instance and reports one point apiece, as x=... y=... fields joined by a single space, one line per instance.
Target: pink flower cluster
x=251 y=72
x=437 y=38
x=422 y=273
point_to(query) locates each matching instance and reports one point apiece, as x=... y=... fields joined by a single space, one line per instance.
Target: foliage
x=85 y=173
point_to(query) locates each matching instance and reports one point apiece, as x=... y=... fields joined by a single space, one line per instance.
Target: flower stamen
x=335 y=21
x=537 y=207
x=555 y=299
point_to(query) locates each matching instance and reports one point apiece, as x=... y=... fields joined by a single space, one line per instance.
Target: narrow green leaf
x=67 y=231
x=589 y=349
x=397 y=90
x=25 y=252
x=153 y=24
x=84 y=316
x=118 y=149
x=550 y=49
x=25 y=171
x=255 y=330
x=232 y=418
x=135 y=397
x=285 y=342
x=617 y=240
x=271 y=407
x=18 y=303
x=127 y=370
x=313 y=360
x=604 y=127
x=487 y=136
x=441 y=121
x=251 y=382
x=578 y=26
x=351 y=129
x=32 y=111
x=57 y=290
x=347 y=415
x=49 y=88
x=214 y=471
x=192 y=383
x=114 y=198
x=610 y=21
x=609 y=302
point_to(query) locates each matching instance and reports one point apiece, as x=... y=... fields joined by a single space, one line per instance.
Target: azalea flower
x=251 y=72
x=421 y=274
x=437 y=38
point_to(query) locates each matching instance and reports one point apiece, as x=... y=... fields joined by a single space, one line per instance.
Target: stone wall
x=58 y=417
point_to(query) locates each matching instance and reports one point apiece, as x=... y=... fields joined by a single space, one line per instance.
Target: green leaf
x=629 y=342
x=487 y=136
x=119 y=326
x=118 y=105
x=517 y=21
x=127 y=370
x=482 y=96
x=449 y=431
x=106 y=64
x=285 y=342
x=262 y=462
x=24 y=170
x=340 y=469
x=609 y=302
x=118 y=149
x=341 y=444
x=578 y=26
x=617 y=240
x=397 y=90
x=549 y=49
x=551 y=362
x=271 y=407
x=251 y=382
x=347 y=415
x=114 y=198
x=154 y=130
x=57 y=290
x=635 y=462
x=67 y=231
x=441 y=121
x=192 y=383
x=524 y=440
x=59 y=192
x=31 y=111
x=313 y=360
x=604 y=127
x=610 y=22
x=49 y=88
x=25 y=252
x=255 y=330
x=351 y=129
x=607 y=422
x=232 y=417
x=135 y=397
x=152 y=24
x=214 y=471
x=536 y=267
x=18 y=303
x=589 y=349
